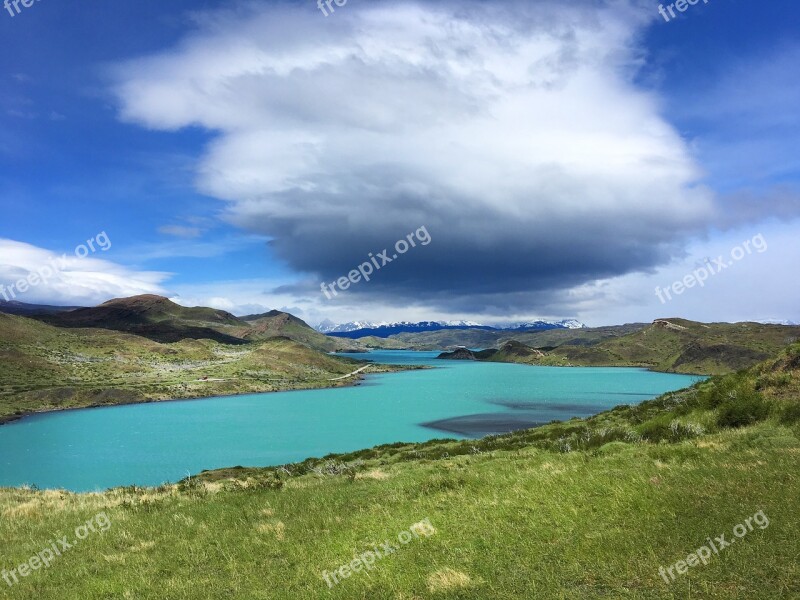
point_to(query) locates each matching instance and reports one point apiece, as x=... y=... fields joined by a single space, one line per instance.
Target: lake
x=149 y=444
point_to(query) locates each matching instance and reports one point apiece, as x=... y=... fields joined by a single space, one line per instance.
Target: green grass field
x=581 y=509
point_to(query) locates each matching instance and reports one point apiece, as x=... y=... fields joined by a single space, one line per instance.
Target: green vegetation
x=681 y=346
x=49 y=368
x=672 y=345
x=513 y=351
x=479 y=338
x=588 y=508
x=161 y=320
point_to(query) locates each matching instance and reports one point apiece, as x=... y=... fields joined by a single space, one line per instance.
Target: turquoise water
x=149 y=444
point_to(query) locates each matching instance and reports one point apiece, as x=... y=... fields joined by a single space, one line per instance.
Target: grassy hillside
x=512 y=351
x=682 y=346
x=478 y=338
x=45 y=368
x=153 y=317
x=674 y=345
x=582 y=509
x=281 y=324
x=161 y=320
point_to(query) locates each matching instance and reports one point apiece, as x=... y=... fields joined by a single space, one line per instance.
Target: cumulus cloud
x=69 y=278
x=512 y=131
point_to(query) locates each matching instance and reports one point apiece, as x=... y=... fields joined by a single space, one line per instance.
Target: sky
x=547 y=159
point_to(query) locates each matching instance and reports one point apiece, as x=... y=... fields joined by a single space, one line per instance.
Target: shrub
x=656 y=429
x=685 y=431
x=790 y=414
x=742 y=410
x=666 y=428
x=725 y=389
x=773 y=380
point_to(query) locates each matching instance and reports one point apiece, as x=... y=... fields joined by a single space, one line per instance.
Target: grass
x=670 y=345
x=509 y=524
x=588 y=508
x=48 y=368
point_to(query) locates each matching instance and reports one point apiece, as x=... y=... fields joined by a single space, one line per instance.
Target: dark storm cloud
x=510 y=131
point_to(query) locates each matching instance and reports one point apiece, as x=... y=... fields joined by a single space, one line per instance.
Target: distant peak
x=141 y=299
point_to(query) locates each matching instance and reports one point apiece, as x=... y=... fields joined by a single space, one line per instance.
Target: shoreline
x=332 y=384
x=357 y=377
x=6 y=420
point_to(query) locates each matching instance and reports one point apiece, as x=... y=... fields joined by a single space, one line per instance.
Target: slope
x=588 y=508
x=46 y=368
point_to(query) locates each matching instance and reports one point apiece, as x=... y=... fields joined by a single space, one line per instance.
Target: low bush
x=790 y=414
x=743 y=409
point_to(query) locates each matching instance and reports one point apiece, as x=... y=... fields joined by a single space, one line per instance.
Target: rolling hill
x=672 y=345
x=153 y=317
x=43 y=367
x=478 y=338
x=681 y=346
x=276 y=323
x=161 y=320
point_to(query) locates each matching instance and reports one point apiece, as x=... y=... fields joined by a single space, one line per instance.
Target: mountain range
x=362 y=329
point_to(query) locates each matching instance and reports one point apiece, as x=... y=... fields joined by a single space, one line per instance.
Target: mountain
x=682 y=346
x=276 y=323
x=670 y=345
x=512 y=352
x=43 y=367
x=161 y=320
x=458 y=354
x=360 y=329
x=154 y=317
x=444 y=339
x=15 y=307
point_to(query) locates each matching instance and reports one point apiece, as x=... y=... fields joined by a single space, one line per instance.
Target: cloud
x=181 y=231
x=512 y=131
x=748 y=140
x=74 y=280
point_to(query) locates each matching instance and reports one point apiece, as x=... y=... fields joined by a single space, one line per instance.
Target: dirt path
x=350 y=374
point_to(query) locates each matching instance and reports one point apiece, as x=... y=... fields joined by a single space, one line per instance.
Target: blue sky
x=237 y=155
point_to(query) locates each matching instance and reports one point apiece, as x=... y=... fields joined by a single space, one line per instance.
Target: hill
x=15 y=307
x=458 y=354
x=545 y=513
x=43 y=367
x=513 y=351
x=276 y=323
x=681 y=346
x=161 y=320
x=671 y=345
x=153 y=317
x=476 y=338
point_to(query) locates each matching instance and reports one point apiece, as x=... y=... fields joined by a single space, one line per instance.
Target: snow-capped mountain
x=328 y=326
x=358 y=329
x=563 y=324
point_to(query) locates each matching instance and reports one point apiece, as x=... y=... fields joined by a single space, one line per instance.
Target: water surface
x=148 y=444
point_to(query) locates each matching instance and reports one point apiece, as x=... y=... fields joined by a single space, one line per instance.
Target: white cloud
x=513 y=131
x=74 y=280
